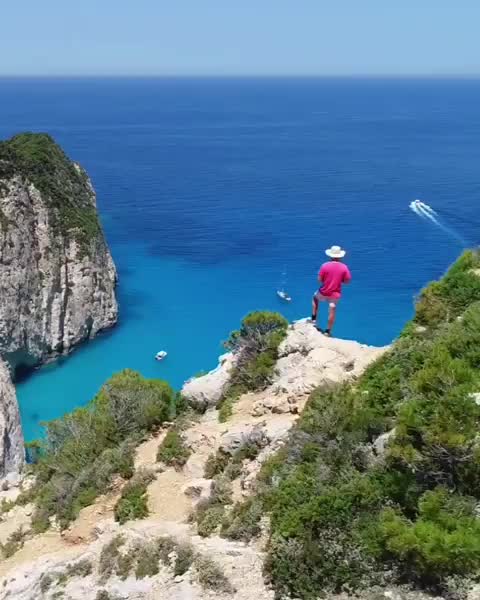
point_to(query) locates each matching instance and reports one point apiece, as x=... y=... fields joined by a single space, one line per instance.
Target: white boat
x=160 y=355
x=282 y=294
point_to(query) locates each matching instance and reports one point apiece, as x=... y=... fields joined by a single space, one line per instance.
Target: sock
x=314 y=317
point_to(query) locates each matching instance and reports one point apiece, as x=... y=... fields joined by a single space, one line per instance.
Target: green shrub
x=6 y=506
x=85 y=448
x=14 y=543
x=165 y=546
x=133 y=501
x=65 y=188
x=40 y=521
x=109 y=555
x=256 y=346
x=211 y=576
x=225 y=408
x=103 y=595
x=184 y=558
x=431 y=308
x=216 y=464
x=126 y=561
x=209 y=512
x=172 y=451
x=81 y=568
x=444 y=540
x=230 y=465
x=307 y=567
x=243 y=523
x=446 y=299
x=46 y=582
x=210 y=520
x=148 y=559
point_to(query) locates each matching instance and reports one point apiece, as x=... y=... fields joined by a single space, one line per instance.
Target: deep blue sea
x=210 y=189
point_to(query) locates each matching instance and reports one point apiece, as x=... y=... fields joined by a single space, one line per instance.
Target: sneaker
x=312 y=321
x=327 y=333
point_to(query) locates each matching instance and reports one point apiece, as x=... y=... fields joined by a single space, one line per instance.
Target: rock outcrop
x=307 y=359
x=204 y=392
x=11 y=438
x=57 y=277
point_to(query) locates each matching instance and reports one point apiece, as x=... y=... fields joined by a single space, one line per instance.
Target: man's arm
x=321 y=274
x=347 y=276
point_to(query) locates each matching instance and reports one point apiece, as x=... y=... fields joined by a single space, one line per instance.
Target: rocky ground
x=54 y=564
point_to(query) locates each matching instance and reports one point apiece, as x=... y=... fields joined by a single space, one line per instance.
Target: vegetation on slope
x=133 y=501
x=344 y=516
x=143 y=558
x=85 y=448
x=173 y=451
x=37 y=158
x=256 y=345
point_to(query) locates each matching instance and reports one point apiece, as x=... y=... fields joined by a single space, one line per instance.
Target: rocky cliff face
x=11 y=438
x=57 y=277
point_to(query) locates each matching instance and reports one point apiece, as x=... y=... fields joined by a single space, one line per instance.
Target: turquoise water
x=209 y=189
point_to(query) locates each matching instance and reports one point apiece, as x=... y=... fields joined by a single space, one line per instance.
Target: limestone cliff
x=57 y=277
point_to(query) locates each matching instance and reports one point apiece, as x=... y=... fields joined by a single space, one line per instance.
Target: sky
x=242 y=37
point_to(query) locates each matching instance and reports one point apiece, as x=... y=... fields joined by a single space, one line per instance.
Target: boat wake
x=426 y=212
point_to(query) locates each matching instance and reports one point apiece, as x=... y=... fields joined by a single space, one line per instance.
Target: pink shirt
x=332 y=274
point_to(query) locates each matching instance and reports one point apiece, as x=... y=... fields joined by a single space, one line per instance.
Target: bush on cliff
x=446 y=299
x=84 y=449
x=343 y=517
x=173 y=451
x=256 y=346
x=133 y=501
x=64 y=186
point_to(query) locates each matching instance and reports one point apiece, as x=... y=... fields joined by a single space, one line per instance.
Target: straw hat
x=335 y=252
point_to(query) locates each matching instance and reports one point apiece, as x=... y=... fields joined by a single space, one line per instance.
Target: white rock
x=197 y=488
x=13 y=479
x=476 y=398
x=309 y=359
x=381 y=443
x=241 y=435
x=204 y=392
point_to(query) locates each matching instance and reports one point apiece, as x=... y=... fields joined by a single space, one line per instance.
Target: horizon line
x=240 y=76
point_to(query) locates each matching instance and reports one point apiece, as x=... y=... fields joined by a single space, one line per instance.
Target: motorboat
x=282 y=294
x=160 y=355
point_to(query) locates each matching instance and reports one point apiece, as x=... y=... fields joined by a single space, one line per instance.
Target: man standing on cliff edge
x=331 y=276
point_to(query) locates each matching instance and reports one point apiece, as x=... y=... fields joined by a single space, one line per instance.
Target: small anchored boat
x=160 y=355
x=282 y=294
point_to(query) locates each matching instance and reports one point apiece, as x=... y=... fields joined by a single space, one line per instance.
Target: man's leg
x=332 y=313
x=314 y=308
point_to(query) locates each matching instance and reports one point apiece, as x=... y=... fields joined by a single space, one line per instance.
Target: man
x=331 y=276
